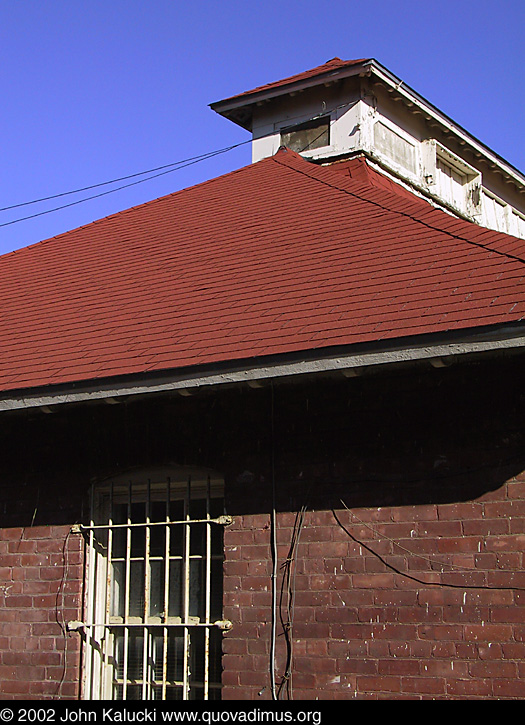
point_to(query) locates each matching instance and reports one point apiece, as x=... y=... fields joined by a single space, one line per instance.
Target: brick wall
x=41 y=586
x=412 y=602
x=420 y=595
x=414 y=587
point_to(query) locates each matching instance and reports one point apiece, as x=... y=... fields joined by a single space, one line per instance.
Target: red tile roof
x=281 y=256
x=335 y=64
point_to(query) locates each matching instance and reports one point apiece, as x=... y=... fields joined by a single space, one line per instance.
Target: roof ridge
x=416 y=200
x=133 y=208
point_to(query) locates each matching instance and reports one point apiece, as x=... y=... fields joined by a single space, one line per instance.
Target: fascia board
x=348 y=364
x=241 y=101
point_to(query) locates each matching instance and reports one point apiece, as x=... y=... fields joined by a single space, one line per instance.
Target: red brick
x=361 y=666
x=396 y=666
x=493 y=669
x=460 y=511
x=488 y=633
x=469 y=688
x=458 y=544
x=508 y=614
x=444 y=668
x=513 y=650
x=379 y=684
x=509 y=688
x=441 y=632
x=423 y=685
x=373 y=581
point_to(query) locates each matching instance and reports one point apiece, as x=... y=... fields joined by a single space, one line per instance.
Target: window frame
x=105 y=623
x=314 y=124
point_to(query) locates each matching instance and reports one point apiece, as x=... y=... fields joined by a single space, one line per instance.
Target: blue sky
x=96 y=90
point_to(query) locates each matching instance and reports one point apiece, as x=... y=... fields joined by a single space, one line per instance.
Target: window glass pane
x=175 y=594
x=177 y=540
x=197 y=588
x=216 y=589
x=305 y=136
x=136 y=589
x=118 y=589
x=156 y=601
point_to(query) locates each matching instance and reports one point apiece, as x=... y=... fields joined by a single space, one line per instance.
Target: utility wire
x=165 y=169
x=412 y=577
x=404 y=214
x=201 y=157
x=181 y=165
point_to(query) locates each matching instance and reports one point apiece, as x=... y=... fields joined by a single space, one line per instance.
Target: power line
x=164 y=169
x=176 y=166
x=201 y=157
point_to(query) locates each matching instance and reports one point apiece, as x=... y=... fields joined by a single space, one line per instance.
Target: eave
x=437 y=350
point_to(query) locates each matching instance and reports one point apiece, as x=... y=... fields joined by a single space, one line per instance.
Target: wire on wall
x=59 y=608
x=405 y=574
x=273 y=547
x=286 y=603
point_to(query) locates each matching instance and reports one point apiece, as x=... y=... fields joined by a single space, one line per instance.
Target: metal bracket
x=74 y=626
x=224 y=520
x=224 y=624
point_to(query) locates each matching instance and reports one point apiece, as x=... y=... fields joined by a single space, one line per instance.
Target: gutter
x=349 y=363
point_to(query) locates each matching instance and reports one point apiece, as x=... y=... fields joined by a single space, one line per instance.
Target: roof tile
x=282 y=256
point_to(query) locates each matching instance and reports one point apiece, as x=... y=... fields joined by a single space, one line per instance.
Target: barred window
x=153 y=626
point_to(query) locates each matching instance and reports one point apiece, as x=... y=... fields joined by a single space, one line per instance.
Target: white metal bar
x=186 y=591
x=223 y=520
x=91 y=615
x=166 y=590
x=105 y=642
x=127 y=595
x=147 y=582
x=207 y=594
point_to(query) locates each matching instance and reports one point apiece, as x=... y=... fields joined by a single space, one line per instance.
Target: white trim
x=412 y=97
x=348 y=363
x=452 y=159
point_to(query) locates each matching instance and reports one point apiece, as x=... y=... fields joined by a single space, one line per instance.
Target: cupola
x=345 y=108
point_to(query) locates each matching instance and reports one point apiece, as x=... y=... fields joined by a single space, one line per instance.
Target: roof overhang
x=239 y=109
x=438 y=350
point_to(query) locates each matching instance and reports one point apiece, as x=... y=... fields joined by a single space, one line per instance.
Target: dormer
x=346 y=108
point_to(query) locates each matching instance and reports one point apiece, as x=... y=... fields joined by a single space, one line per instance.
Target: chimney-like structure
x=357 y=107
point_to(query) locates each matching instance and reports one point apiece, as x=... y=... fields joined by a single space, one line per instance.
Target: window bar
x=151 y=664
x=186 y=592
x=127 y=595
x=219 y=520
x=166 y=590
x=105 y=655
x=91 y=604
x=147 y=579
x=207 y=594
